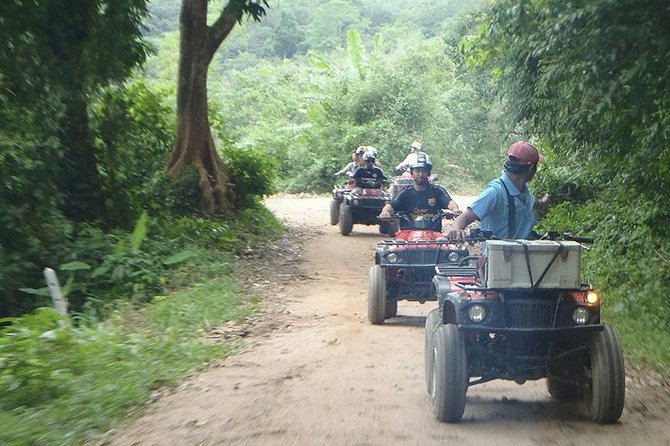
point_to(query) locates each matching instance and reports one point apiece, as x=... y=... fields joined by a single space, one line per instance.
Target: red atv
x=520 y=312
x=404 y=267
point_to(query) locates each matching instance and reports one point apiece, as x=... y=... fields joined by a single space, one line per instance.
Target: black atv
x=520 y=312
x=362 y=205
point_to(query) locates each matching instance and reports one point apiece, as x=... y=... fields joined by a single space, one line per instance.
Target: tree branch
x=217 y=33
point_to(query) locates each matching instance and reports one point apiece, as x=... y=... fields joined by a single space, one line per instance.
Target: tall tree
x=195 y=145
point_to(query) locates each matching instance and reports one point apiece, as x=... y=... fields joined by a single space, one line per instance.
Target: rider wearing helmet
x=373 y=150
x=423 y=198
x=369 y=175
x=415 y=149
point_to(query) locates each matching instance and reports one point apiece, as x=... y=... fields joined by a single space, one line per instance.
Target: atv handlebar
x=442 y=213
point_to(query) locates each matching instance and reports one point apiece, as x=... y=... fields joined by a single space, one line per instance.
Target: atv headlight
x=355 y=202
x=592 y=298
x=477 y=313
x=338 y=194
x=453 y=257
x=392 y=257
x=580 y=316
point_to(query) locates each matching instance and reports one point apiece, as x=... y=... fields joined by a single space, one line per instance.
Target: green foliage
x=33 y=226
x=287 y=36
x=389 y=87
x=331 y=20
x=252 y=173
x=63 y=385
x=133 y=134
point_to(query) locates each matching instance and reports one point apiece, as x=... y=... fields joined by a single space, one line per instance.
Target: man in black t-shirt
x=423 y=199
x=368 y=175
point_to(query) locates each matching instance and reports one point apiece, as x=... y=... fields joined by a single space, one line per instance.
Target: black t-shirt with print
x=369 y=177
x=421 y=203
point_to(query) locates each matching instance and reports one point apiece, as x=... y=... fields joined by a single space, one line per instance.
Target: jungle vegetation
x=88 y=128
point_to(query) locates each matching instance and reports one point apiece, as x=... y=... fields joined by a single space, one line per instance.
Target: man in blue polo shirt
x=506 y=206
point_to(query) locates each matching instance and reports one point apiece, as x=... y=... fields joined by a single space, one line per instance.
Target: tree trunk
x=195 y=144
x=81 y=180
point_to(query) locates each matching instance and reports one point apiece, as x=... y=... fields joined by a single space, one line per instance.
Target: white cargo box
x=522 y=263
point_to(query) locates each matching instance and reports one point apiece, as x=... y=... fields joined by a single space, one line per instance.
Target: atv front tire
x=449 y=382
x=433 y=320
x=346 y=219
x=334 y=212
x=606 y=397
x=376 y=295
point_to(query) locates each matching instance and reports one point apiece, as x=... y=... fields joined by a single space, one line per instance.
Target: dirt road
x=326 y=376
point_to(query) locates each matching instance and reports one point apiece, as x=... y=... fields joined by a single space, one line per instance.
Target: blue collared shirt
x=491 y=209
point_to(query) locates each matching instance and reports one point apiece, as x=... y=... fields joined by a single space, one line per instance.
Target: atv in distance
x=405 y=266
x=520 y=312
x=362 y=205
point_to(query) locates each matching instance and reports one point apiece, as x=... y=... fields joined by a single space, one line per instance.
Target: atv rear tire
x=449 y=382
x=346 y=219
x=608 y=375
x=376 y=295
x=334 y=212
x=433 y=320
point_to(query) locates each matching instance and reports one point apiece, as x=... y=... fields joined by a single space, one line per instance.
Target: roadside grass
x=69 y=385
x=645 y=345
x=69 y=380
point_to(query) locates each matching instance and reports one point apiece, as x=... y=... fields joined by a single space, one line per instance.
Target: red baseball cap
x=525 y=153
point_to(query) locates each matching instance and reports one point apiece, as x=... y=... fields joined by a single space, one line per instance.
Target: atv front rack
x=389 y=243
x=458 y=271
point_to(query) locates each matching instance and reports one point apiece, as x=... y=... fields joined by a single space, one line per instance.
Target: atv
x=362 y=205
x=520 y=312
x=404 y=267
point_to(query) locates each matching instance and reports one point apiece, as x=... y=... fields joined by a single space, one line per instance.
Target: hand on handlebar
x=458 y=234
x=384 y=215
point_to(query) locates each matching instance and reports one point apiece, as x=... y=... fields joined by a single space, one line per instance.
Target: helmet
x=373 y=151
x=415 y=145
x=360 y=150
x=369 y=156
x=423 y=161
